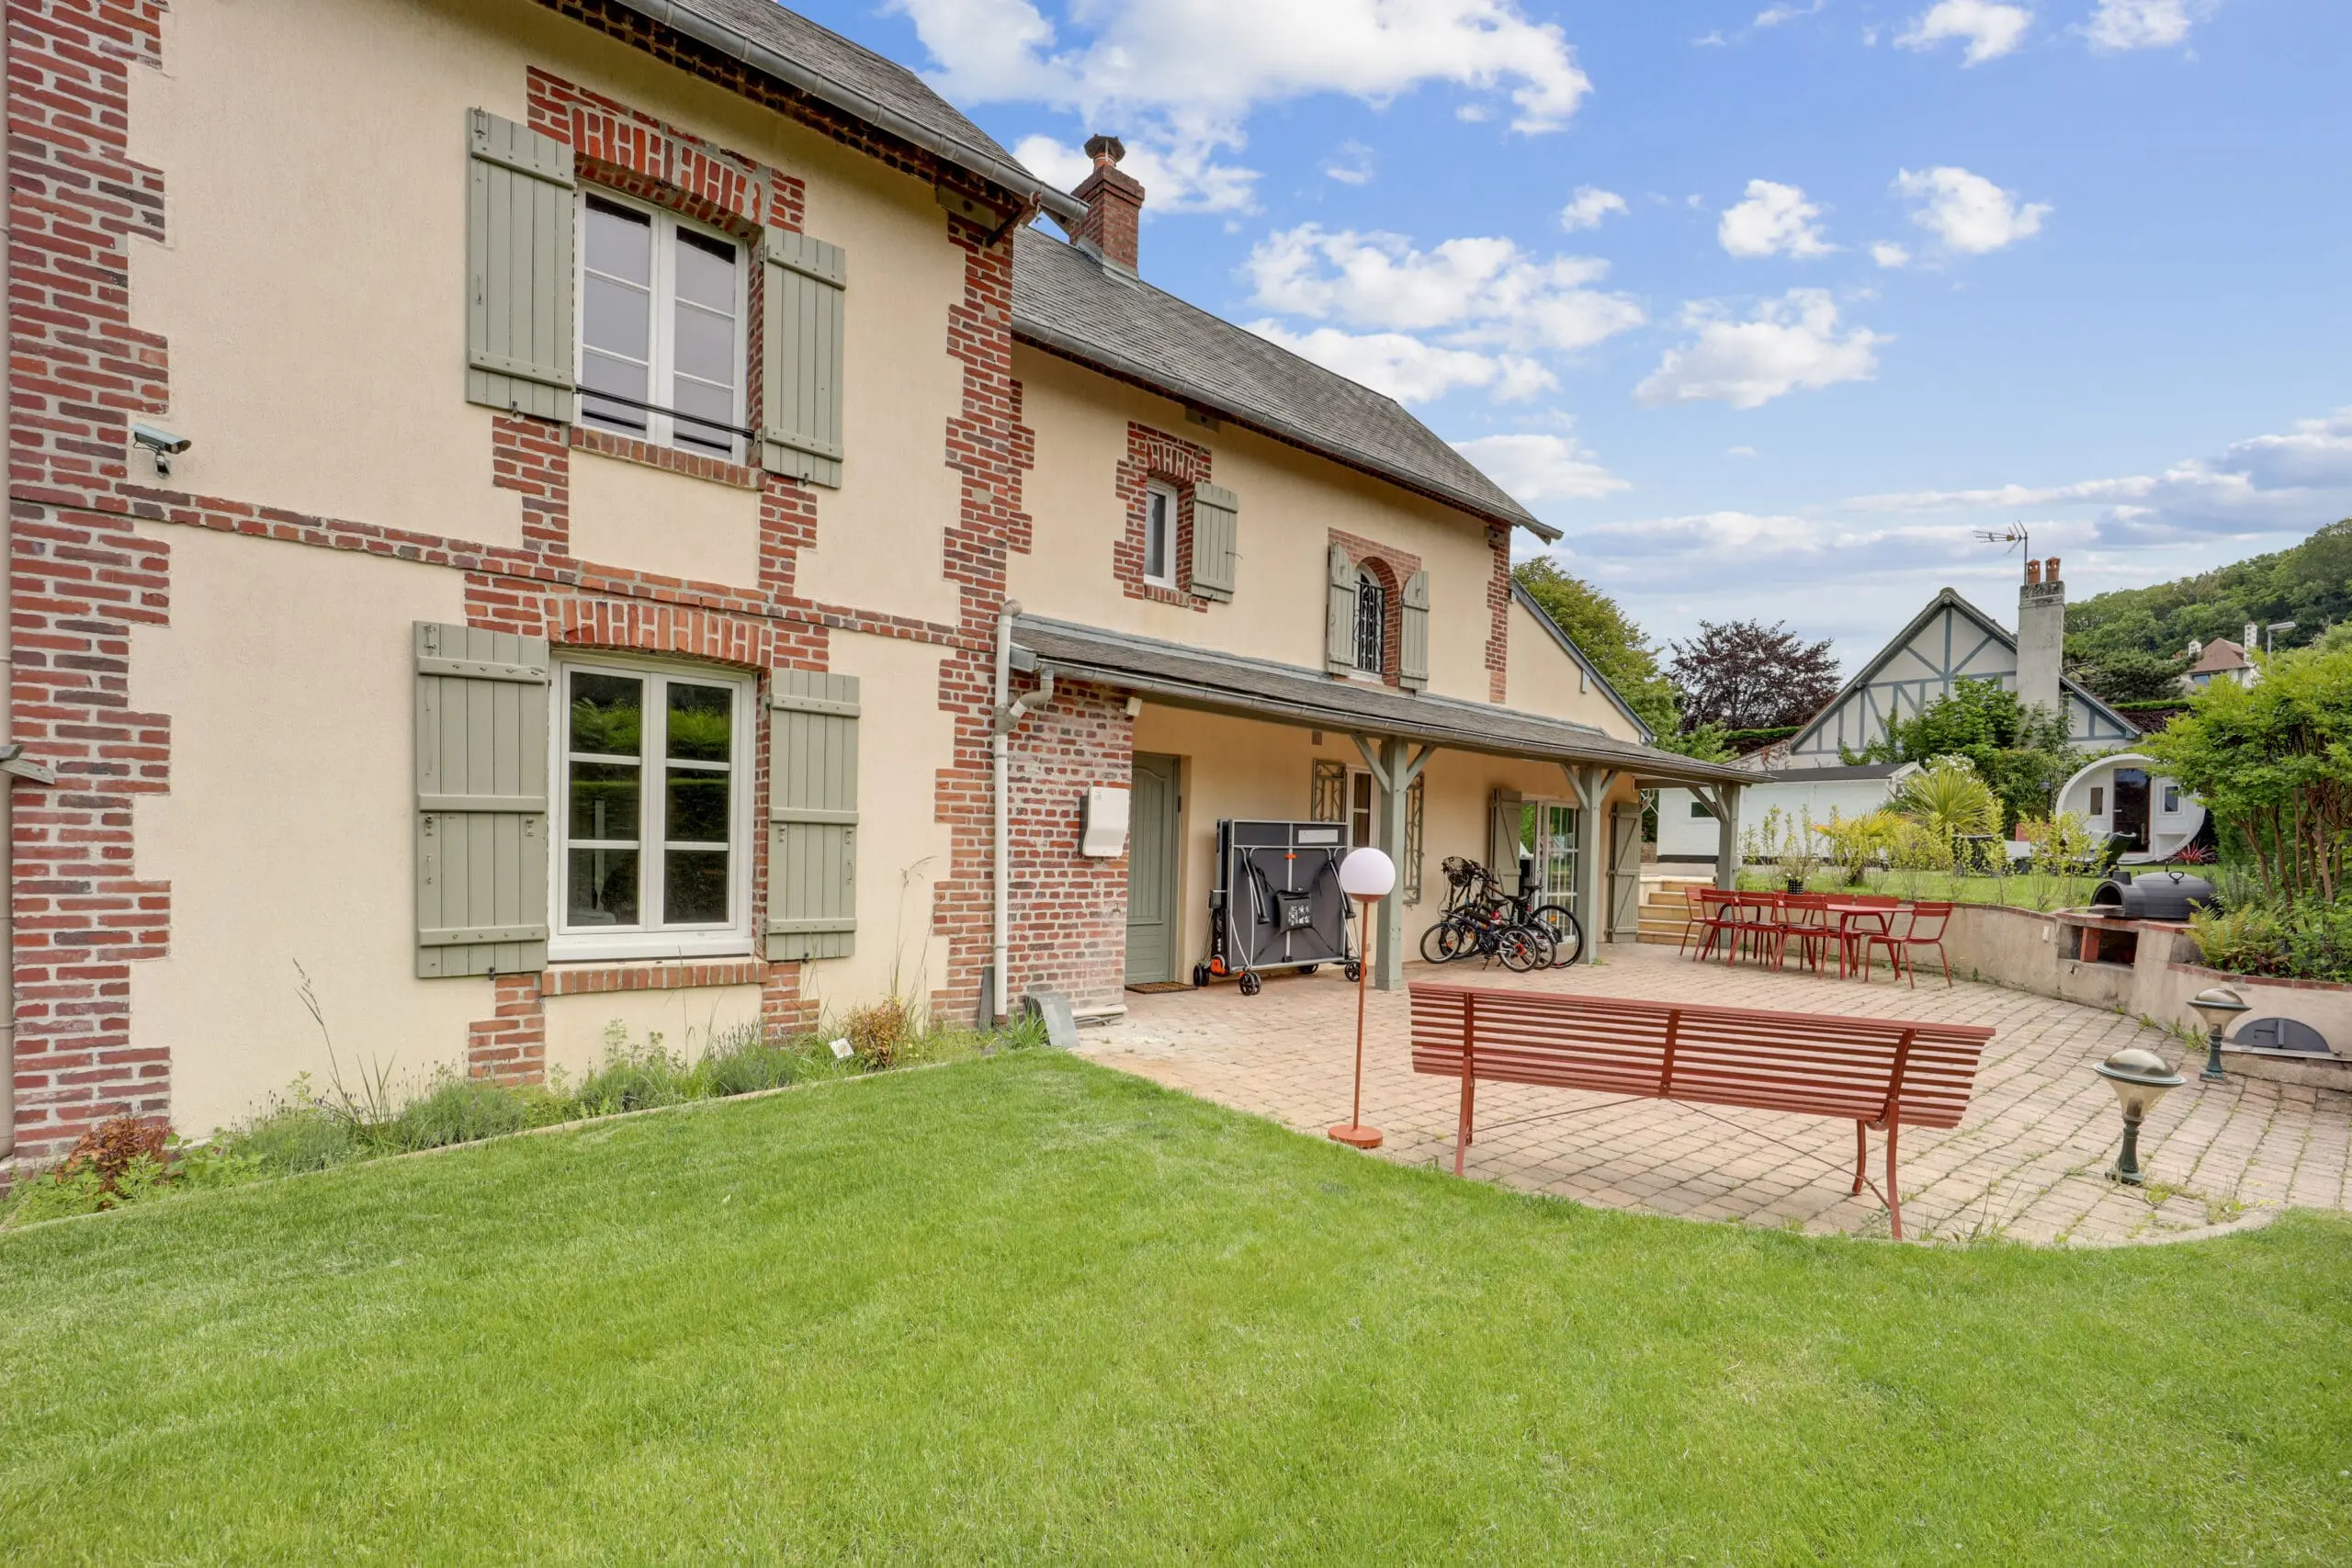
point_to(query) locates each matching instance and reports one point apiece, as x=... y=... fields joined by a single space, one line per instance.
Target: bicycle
x=1480 y=919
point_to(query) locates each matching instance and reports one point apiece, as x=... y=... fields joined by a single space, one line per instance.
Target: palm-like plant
x=1948 y=799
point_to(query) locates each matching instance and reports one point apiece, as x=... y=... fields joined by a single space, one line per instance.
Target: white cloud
x=2296 y=480
x=1181 y=78
x=1887 y=253
x=1968 y=213
x=2140 y=24
x=1589 y=207
x=1352 y=166
x=1409 y=370
x=1739 y=451
x=1775 y=221
x=1189 y=177
x=1478 y=292
x=1773 y=16
x=1789 y=344
x=1991 y=29
x=1540 y=468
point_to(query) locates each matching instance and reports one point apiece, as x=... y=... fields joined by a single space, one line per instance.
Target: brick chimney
x=1114 y=205
x=2041 y=635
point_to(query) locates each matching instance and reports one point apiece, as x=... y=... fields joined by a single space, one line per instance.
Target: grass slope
x=1031 y=1310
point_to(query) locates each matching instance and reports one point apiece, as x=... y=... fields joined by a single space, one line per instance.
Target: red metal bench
x=1876 y=1072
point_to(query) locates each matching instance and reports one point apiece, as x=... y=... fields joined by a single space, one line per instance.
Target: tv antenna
x=2013 y=535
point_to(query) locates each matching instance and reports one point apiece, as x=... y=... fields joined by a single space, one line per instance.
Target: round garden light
x=2217 y=1005
x=2138 y=1078
x=1367 y=877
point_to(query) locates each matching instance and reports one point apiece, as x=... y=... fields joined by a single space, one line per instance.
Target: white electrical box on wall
x=1105 y=831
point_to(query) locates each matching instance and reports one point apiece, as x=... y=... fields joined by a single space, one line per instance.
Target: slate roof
x=830 y=68
x=1225 y=682
x=1067 y=301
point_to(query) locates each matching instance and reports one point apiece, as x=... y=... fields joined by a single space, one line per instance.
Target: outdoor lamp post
x=2216 y=1005
x=1366 y=875
x=2139 y=1079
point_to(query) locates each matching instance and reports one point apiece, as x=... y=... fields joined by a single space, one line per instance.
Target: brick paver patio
x=2026 y=1163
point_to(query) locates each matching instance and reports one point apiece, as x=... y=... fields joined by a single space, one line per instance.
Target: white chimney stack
x=2041 y=635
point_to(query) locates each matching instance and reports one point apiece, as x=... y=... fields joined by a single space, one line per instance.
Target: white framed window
x=662 y=343
x=1371 y=623
x=652 y=791
x=1159 y=535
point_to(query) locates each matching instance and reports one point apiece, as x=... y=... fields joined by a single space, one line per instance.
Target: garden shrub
x=879 y=1034
x=744 y=1061
x=290 y=1138
x=634 y=1078
x=456 y=1109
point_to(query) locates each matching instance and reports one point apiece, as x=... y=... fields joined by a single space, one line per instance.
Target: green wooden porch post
x=1590 y=786
x=1394 y=765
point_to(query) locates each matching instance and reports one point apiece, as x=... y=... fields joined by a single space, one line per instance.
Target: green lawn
x=1025 y=1309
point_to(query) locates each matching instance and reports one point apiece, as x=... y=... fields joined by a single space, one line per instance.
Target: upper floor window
x=1371 y=623
x=1159 y=535
x=653 y=808
x=662 y=309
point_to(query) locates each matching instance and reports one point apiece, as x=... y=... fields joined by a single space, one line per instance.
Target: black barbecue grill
x=2151 y=895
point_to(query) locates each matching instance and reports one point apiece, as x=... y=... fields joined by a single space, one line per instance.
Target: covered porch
x=1422 y=778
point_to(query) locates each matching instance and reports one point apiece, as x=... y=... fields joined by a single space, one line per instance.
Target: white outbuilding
x=2124 y=794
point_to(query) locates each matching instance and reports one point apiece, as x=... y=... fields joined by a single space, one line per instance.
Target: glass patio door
x=1552 y=834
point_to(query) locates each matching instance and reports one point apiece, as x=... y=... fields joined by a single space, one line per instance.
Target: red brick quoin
x=1180 y=464
x=1392 y=566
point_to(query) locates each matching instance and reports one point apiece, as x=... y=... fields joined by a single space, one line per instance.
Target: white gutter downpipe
x=1003 y=719
x=1000 y=746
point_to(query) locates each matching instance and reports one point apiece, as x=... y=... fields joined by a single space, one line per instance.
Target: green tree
x=2273 y=763
x=2128 y=676
x=2310 y=585
x=1608 y=636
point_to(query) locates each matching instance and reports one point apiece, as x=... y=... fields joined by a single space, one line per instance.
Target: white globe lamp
x=1367 y=877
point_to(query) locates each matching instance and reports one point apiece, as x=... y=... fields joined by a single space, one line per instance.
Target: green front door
x=1152 y=871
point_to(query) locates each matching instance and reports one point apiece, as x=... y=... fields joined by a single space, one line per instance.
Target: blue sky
x=1768 y=305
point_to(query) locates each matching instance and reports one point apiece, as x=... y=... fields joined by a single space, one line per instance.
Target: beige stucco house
x=530 y=515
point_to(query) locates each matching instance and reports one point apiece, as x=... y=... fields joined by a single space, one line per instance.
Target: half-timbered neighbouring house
x=1951 y=642
x=553 y=514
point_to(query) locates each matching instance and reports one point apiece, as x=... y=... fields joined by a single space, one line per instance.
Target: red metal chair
x=1756 y=920
x=1717 y=916
x=1804 y=917
x=1925 y=929
x=1850 y=937
x=1694 y=916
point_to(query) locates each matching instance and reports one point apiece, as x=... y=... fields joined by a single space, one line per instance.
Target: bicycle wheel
x=1522 y=947
x=1446 y=940
x=1567 y=937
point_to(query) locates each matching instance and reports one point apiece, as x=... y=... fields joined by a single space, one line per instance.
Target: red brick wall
x=1174 y=461
x=1392 y=566
x=1497 y=613
x=1069 y=910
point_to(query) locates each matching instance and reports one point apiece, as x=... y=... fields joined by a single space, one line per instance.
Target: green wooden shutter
x=1340 y=614
x=801 y=387
x=518 y=269
x=812 y=816
x=1413 y=658
x=482 y=804
x=1412 y=867
x=1215 y=529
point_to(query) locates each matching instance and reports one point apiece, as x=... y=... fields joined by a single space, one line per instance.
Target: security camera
x=162 y=443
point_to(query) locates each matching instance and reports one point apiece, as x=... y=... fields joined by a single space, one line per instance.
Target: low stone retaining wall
x=2045 y=953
